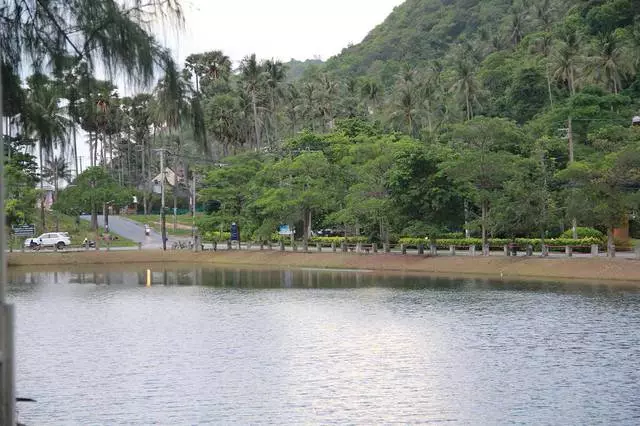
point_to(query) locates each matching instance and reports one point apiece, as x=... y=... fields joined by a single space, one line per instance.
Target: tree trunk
x=175 y=208
x=611 y=247
x=467 y=232
x=55 y=197
x=306 y=219
x=42 y=196
x=549 y=86
x=484 y=223
x=75 y=149
x=94 y=217
x=255 y=119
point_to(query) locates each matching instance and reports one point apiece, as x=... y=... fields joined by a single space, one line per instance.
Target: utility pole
x=163 y=218
x=7 y=352
x=193 y=207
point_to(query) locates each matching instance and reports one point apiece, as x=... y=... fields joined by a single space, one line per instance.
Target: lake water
x=232 y=346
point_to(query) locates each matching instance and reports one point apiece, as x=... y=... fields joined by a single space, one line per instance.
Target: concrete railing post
x=295 y=246
x=452 y=250
x=506 y=251
x=595 y=249
x=305 y=246
x=545 y=250
x=269 y=245
x=611 y=250
x=343 y=246
x=281 y=245
x=228 y=244
x=637 y=251
x=529 y=250
x=318 y=247
x=261 y=245
x=374 y=247
x=420 y=248
x=333 y=246
x=139 y=246
x=486 y=250
x=403 y=249
x=568 y=251
x=385 y=247
x=433 y=249
x=472 y=250
x=358 y=247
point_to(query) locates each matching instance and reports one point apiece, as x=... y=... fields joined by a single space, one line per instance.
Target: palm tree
x=370 y=91
x=466 y=85
x=46 y=120
x=57 y=169
x=252 y=75
x=293 y=105
x=610 y=62
x=567 y=60
x=276 y=74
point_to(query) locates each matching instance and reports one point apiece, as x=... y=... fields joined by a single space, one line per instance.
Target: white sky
x=281 y=29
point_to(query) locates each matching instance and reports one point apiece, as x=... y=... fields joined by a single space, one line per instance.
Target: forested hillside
x=499 y=118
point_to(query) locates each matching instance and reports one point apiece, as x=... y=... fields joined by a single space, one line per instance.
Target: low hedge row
x=499 y=242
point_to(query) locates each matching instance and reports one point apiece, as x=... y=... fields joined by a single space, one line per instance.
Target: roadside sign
x=235 y=232
x=24 y=230
x=284 y=230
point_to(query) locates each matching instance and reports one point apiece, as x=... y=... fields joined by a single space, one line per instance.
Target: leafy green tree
x=294 y=189
x=425 y=200
x=93 y=188
x=485 y=158
x=606 y=191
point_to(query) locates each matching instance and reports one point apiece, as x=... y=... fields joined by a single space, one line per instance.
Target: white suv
x=51 y=239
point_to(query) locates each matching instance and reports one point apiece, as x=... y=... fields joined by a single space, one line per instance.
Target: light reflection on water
x=205 y=346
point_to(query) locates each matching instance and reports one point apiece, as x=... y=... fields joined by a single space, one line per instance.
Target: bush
x=583 y=232
x=338 y=240
x=216 y=236
x=444 y=243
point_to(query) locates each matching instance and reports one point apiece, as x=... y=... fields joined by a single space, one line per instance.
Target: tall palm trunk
x=255 y=118
x=75 y=149
x=55 y=197
x=42 y=196
x=485 y=209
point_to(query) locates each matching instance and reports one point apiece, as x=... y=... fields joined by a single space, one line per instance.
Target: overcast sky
x=281 y=29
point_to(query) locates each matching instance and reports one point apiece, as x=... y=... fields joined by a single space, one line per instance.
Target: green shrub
x=444 y=243
x=216 y=236
x=338 y=240
x=583 y=232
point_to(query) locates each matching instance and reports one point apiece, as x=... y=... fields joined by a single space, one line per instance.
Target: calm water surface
x=202 y=346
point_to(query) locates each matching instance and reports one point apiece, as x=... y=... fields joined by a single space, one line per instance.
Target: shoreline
x=585 y=269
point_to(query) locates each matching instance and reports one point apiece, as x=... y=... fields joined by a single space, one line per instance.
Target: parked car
x=51 y=239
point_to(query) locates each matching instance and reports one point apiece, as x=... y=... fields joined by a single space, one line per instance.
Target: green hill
x=297 y=69
x=419 y=31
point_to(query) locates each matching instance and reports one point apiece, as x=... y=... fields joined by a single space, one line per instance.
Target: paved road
x=131 y=230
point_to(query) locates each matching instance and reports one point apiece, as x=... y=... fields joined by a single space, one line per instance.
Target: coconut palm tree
x=466 y=85
x=610 y=63
x=275 y=74
x=56 y=170
x=252 y=77
x=46 y=121
x=370 y=92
